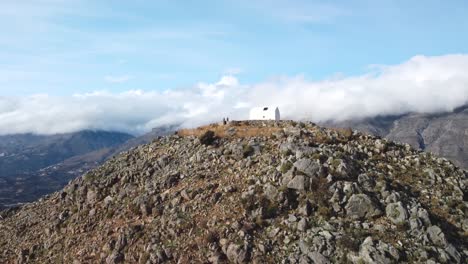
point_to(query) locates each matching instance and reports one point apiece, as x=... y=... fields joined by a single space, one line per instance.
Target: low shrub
x=208 y=138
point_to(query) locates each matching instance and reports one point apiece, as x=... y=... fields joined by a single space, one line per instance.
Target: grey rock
x=287 y=147
x=292 y=131
x=424 y=216
x=366 y=182
x=120 y=243
x=465 y=225
x=292 y=218
x=237 y=254
x=394 y=197
x=415 y=226
x=305 y=209
x=371 y=253
x=304 y=246
x=307 y=166
x=304 y=260
x=436 y=236
x=318 y=258
x=361 y=206
x=396 y=212
x=270 y=191
x=350 y=188
x=379 y=146
x=304 y=151
x=455 y=256
x=298 y=183
x=108 y=200
x=302 y=225
x=91 y=197
x=115 y=257
x=23 y=256
x=216 y=258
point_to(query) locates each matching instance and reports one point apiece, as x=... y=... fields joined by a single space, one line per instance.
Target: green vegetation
x=285 y=167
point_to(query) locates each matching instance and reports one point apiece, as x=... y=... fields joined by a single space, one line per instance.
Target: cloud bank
x=421 y=84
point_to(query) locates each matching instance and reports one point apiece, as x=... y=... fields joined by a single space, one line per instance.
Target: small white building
x=265 y=113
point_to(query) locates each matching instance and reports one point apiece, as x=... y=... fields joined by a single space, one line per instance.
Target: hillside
x=444 y=134
x=34 y=165
x=259 y=192
x=29 y=176
x=27 y=153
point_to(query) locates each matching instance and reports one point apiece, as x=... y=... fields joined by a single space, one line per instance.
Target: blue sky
x=62 y=47
x=68 y=65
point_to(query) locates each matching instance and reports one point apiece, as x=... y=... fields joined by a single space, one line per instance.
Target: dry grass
x=240 y=129
x=346 y=133
x=248 y=129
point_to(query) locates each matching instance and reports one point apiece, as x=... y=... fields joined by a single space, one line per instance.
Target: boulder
x=91 y=197
x=237 y=254
x=318 y=258
x=307 y=166
x=371 y=252
x=271 y=192
x=114 y=258
x=436 y=236
x=396 y=212
x=298 y=183
x=302 y=225
x=361 y=206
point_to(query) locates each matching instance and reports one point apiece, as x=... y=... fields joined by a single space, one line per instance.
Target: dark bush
x=208 y=138
x=349 y=242
x=211 y=237
x=247 y=150
x=270 y=209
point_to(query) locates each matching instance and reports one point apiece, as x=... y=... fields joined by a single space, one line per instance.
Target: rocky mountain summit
x=260 y=192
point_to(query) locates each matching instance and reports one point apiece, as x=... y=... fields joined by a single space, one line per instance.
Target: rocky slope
x=259 y=192
x=444 y=134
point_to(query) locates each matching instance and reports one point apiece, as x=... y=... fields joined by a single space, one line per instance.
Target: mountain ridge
x=251 y=192
x=444 y=134
x=27 y=158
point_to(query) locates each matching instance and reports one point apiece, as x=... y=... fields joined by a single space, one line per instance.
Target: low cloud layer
x=421 y=84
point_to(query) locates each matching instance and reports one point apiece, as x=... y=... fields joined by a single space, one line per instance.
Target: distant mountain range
x=23 y=154
x=35 y=165
x=444 y=134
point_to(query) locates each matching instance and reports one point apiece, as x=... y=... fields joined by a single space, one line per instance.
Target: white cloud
x=422 y=84
x=117 y=79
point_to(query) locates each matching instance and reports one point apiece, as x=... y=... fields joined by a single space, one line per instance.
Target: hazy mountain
x=146 y=138
x=444 y=134
x=22 y=154
x=27 y=160
x=251 y=192
x=36 y=165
